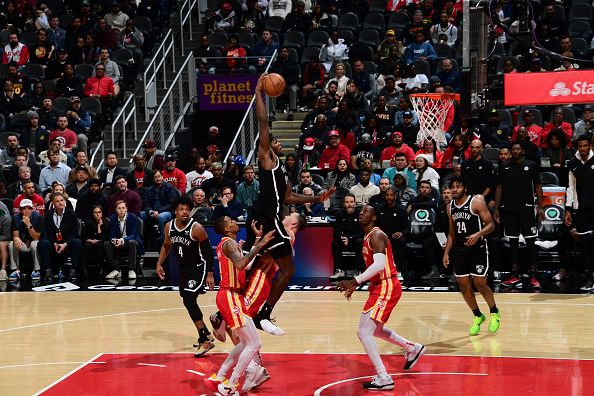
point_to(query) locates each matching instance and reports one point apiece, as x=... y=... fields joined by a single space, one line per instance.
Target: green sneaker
x=476 y=325
x=494 y=322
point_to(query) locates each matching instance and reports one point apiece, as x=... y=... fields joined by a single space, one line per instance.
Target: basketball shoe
x=476 y=325
x=379 y=383
x=218 y=327
x=512 y=281
x=270 y=327
x=213 y=382
x=204 y=346
x=255 y=375
x=228 y=389
x=411 y=358
x=494 y=322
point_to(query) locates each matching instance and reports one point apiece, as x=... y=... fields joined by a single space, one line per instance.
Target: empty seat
x=217 y=39
x=370 y=37
x=294 y=39
x=375 y=20
x=317 y=38
x=348 y=22
x=275 y=23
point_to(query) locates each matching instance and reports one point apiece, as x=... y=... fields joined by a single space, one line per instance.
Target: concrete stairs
x=287 y=132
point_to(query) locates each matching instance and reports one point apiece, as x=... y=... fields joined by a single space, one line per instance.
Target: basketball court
x=128 y=343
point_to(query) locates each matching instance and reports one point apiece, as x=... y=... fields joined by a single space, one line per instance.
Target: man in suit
x=124 y=237
x=62 y=238
x=108 y=174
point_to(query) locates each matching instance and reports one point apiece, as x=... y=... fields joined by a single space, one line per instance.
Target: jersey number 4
x=461 y=228
x=181 y=252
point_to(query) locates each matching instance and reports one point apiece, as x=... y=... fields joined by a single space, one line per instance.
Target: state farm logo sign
x=579 y=88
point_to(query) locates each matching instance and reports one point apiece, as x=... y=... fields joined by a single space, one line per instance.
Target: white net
x=432 y=110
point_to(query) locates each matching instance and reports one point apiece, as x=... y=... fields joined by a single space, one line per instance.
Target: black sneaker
x=72 y=274
x=49 y=276
x=588 y=287
x=379 y=384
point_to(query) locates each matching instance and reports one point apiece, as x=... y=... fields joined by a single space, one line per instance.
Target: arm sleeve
x=379 y=263
x=208 y=254
x=571 y=201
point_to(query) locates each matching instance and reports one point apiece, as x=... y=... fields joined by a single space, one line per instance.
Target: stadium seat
x=549 y=179
x=4 y=36
x=580 y=29
x=293 y=54
x=275 y=23
x=92 y=105
x=218 y=39
x=34 y=71
x=28 y=38
x=491 y=154
x=348 y=22
x=378 y=6
x=247 y=39
x=123 y=56
x=317 y=38
x=444 y=50
x=398 y=20
x=62 y=104
x=18 y=120
x=370 y=37
x=505 y=116
x=50 y=87
x=347 y=35
x=580 y=12
x=535 y=111
x=143 y=24
x=308 y=52
x=294 y=39
x=318 y=179
x=375 y=20
x=423 y=67
x=370 y=67
x=84 y=71
x=579 y=44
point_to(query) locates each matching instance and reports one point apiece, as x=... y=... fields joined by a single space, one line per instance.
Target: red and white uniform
x=230 y=301
x=259 y=286
x=384 y=288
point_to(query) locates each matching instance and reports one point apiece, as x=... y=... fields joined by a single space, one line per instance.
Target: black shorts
x=280 y=245
x=470 y=260
x=516 y=223
x=583 y=219
x=192 y=280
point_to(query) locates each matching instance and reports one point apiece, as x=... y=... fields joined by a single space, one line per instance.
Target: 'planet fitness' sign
x=226 y=92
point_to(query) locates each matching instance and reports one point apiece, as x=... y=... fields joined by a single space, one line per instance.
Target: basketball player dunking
x=275 y=191
x=384 y=292
x=195 y=256
x=466 y=249
x=231 y=303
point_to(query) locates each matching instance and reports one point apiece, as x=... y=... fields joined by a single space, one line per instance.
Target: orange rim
x=452 y=96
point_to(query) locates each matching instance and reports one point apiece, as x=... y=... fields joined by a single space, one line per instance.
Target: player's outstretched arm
x=163 y=253
x=199 y=234
x=299 y=199
x=262 y=115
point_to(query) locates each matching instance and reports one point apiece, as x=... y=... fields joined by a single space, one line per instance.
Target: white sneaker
x=400 y=277
x=271 y=328
x=3 y=275
x=338 y=275
x=113 y=274
x=252 y=373
x=411 y=358
x=131 y=274
x=379 y=384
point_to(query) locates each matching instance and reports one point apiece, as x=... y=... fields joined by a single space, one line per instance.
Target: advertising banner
x=231 y=92
x=574 y=86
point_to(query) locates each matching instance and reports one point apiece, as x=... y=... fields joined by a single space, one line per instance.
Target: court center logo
x=422 y=215
x=560 y=90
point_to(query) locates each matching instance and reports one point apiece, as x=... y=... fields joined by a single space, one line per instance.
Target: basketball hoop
x=432 y=110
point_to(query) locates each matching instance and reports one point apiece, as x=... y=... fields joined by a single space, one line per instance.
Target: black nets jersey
x=466 y=222
x=186 y=249
x=273 y=186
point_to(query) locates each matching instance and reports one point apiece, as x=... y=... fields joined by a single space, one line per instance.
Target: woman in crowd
x=557 y=150
x=424 y=171
x=429 y=148
x=201 y=212
x=340 y=176
x=58 y=187
x=335 y=51
x=341 y=79
x=94 y=235
x=359 y=103
x=346 y=119
x=292 y=168
x=90 y=50
x=458 y=150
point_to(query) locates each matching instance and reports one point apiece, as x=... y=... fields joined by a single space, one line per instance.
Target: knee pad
x=192 y=308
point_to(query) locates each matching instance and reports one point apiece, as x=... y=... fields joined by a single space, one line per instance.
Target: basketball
x=274 y=85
